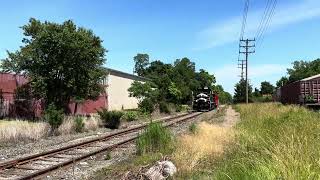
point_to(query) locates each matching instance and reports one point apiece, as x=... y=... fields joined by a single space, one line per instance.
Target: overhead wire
x=264 y=17
x=265 y=22
x=269 y=20
x=244 y=18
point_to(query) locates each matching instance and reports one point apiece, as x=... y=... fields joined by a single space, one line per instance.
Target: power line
x=244 y=18
x=272 y=12
x=266 y=10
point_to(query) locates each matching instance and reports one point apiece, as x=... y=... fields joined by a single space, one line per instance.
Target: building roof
x=126 y=75
x=311 y=77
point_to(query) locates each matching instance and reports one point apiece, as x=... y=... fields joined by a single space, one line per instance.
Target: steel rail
x=24 y=160
x=101 y=150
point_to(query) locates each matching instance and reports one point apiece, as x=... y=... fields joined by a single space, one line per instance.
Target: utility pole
x=247 y=45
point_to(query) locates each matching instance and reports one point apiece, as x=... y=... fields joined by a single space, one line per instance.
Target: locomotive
x=205 y=100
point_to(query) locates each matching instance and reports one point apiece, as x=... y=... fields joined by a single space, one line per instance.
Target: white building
x=117 y=85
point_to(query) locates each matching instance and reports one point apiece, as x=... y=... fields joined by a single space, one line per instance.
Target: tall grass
x=13 y=131
x=155 y=138
x=274 y=142
x=206 y=144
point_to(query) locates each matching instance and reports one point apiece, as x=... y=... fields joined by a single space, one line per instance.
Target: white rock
x=162 y=170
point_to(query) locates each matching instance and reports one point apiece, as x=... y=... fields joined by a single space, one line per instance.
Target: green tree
x=283 y=81
x=143 y=90
x=146 y=93
x=205 y=79
x=141 y=62
x=240 y=92
x=175 y=93
x=63 y=61
x=256 y=92
x=184 y=76
x=224 y=97
x=266 y=88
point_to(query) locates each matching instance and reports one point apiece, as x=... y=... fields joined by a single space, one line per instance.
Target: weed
x=92 y=124
x=79 y=124
x=163 y=107
x=107 y=156
x=67 y=126
x=111 y=118
x=131 y=115
x=193 y=128
x=146 y=106
x=209 y=142
x=274 y=142
x=155 y=138
x=53 y=116
x=15 y=130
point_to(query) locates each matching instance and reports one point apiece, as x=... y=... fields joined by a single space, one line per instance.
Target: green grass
x=155 y=138
x=273 y=142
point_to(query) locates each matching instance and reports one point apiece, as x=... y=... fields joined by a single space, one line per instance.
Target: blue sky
x=206 y=31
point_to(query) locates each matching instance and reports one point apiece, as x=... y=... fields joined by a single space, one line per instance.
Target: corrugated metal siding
x=311 y=88
x=10 y=82
x=296 y=92
x=90 y=106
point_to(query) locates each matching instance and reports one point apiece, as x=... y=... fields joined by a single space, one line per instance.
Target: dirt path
x=230 y=118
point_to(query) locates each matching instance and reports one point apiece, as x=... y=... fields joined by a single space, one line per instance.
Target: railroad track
x=37 y=165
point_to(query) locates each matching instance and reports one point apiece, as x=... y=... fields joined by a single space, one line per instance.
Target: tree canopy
x=62 y=61
x=240 y=92
x=224 y=97
x=173 y=83
x=266 y=88
x=141 y=62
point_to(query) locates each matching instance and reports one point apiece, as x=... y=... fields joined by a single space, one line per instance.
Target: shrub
x=146 y=106
x=155 y=138
x=178 y=108
x=163 y=107
x=79 y=124
x=111 y=118
x=53 y=116
x=130 y=116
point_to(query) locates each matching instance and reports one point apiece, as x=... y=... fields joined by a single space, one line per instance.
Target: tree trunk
x=75 y=108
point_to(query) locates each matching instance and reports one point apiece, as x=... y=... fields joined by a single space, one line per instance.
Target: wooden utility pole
x=246 y=45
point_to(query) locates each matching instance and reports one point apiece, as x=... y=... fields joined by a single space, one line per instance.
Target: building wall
x=118 y=95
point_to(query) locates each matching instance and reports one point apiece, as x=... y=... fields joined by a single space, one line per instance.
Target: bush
x=155 y=138
x=130 y=116
x=79 y=124
x=178 y=108
x=164 y=108
x=110 y=118
x=146 y=106
x=53 y=116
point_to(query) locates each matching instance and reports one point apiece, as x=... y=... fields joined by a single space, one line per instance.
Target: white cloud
x=228 y=31
x=228 y=75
